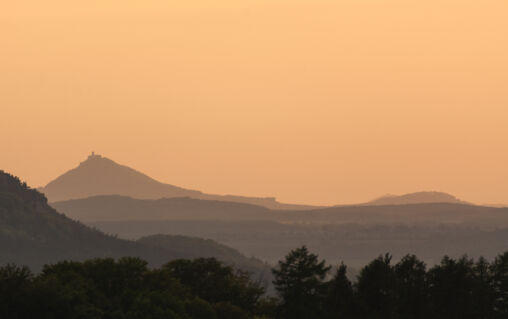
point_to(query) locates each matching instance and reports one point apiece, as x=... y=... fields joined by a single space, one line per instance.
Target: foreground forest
x=306 y=288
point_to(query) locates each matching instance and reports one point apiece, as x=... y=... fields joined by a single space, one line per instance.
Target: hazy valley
x=430 y=224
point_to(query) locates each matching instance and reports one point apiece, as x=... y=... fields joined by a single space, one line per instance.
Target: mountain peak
x=99 y=175
x=424 y=197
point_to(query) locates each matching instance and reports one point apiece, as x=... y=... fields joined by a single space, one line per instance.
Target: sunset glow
x=310 y=101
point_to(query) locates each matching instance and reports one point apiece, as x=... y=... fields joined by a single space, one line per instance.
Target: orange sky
x=311 y=101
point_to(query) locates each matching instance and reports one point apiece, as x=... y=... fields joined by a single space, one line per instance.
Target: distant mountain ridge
x=99 y=175
x=116 y=207
x=416 y=198
x=121 y=208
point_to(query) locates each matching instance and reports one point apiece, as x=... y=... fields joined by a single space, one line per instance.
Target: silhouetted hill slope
x=120 y=208
x=101 y=176
x=33 y=233
x=193 y=247
x=416 y=198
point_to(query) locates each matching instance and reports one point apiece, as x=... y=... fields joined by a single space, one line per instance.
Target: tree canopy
x=306 y=287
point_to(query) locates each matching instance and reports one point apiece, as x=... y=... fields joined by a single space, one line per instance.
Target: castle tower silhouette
x=93 y=155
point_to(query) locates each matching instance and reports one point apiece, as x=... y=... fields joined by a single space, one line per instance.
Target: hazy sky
x=311 y=101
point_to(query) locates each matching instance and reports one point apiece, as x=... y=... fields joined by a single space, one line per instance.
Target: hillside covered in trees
x=32 y=233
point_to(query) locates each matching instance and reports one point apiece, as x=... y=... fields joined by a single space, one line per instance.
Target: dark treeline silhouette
x=455 y=288
x=306 y=288
x=127 y=288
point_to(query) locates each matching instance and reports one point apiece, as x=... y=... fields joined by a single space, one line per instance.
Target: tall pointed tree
x=299 y=280
x=499 y=270
x=376 y=289
x=340 y=301
x=411 y=293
